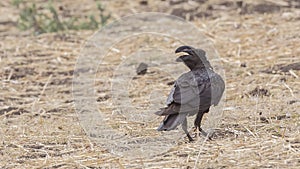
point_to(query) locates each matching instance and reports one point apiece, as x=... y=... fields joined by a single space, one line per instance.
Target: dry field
x=258 y=43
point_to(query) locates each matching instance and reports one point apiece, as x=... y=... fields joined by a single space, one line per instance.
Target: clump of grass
x=32 y=18
x=17 y=2
x=103 y=18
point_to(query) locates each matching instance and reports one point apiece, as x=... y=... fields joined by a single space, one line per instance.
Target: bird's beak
x=182 y=58
x=179 y=59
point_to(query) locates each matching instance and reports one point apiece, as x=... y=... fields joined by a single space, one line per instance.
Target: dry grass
x=40 y=129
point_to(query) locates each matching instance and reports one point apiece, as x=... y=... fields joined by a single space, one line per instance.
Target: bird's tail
x=171 y=121
x=172 y=109
x=160 y=112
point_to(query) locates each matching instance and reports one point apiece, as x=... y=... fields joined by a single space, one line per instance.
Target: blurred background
x=258 y=44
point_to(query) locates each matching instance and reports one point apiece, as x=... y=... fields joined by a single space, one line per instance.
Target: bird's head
x=193 y=58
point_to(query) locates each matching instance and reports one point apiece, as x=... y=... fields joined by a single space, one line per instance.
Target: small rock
x=259 y=92
x=243 y=65
x=292 y=101
x=144 y=2
x=171 y=83
x=142 y=69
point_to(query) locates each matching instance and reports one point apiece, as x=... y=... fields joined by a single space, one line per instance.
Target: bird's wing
x=183 y=97
x=193 y=92
x=218 y=87
x=170 y=97
x=190 y=92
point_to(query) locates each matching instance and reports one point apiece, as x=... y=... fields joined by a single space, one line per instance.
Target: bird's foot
x=190 y=138
x=203 y=133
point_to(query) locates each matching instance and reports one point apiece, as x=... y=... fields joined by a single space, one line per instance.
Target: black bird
x=193 y=92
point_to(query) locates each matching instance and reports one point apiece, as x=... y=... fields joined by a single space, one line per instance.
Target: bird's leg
x=198 y=120
x=197 y=123
x=184 y=128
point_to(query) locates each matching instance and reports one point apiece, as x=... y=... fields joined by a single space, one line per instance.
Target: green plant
x=32 y=18
x=17 y=2
x=103 y=17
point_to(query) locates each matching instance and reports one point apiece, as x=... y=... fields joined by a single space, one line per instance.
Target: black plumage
x=193 y=92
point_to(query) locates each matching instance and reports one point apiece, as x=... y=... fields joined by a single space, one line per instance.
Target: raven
x=193 y=92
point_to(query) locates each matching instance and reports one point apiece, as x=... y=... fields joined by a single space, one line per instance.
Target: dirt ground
x=258 y=43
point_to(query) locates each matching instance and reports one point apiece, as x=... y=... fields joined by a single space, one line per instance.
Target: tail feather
x=171 y=122
x=160 y=112
x=172 y=109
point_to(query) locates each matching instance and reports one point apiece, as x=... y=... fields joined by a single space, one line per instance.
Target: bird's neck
x=199 y=66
